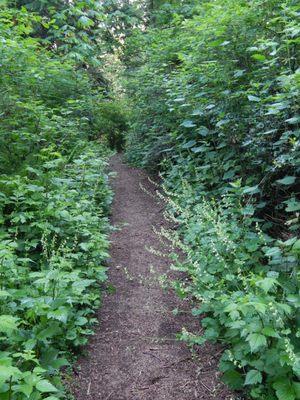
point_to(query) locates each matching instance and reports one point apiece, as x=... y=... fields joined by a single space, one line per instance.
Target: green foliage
x=122 y=16
x=223 y=98
x=83 y=30
x=53 y=244
x=214 y=91
x=54 y=202
x=73 y=29
x=247 y=286
x=112 y=122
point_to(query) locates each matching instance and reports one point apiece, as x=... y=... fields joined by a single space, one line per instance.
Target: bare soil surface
x=134 y=354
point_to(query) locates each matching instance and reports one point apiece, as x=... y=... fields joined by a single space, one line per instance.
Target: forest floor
x=134 y=354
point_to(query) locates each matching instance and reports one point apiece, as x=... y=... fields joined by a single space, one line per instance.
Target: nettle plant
x=54 y=244
x=247 y=287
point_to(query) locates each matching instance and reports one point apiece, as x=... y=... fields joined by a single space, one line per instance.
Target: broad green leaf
x=233 y=379
x=266 y=284
x=260 y=307
x=61 y=314
x=84 y=246
x=188 y=124
x=273 y=252
x=199 y=149
x=49 y=332
x=197 y=112
x=251 y=190
x=25 y=388
x=8 y=323
x=253 y=98
x=259 y=57
x=203 y=131
x=81 y=321
x=284 y=390
x=189 y=144
x=292 y=205
x=85 y=22
x=256 y=341
x=229 y=174
x=8 y=371
x=287 y=180
x=293 y=120
x=51 y=398
x=248 y=210
x=296 y=368
x=4 y=294
x=296 y=246
x=45 y=386
x=179 y=100
x=269 y=331
x=239 y=72
x=296 y=386
x=253 y=377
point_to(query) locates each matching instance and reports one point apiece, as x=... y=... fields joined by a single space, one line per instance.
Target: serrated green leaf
x=296 y=246
x=284 y=390
x=8 y=323
x=7 y=371
x=61 y=314
x=269 y=331
x=49 y=332
x=292 y=205
x=233 y=379
x=256 y=341
x=266 y=284
x=25 y=388
x=45 y=386
x=253 y=376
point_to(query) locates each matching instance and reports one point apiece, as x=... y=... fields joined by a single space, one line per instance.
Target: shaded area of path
x=134 y=354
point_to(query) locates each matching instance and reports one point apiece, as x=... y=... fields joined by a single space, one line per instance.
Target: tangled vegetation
x=212 y=90
x=54 y=194
x=215 y=91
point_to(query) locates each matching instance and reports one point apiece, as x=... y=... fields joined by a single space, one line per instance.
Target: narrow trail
x=134 y=354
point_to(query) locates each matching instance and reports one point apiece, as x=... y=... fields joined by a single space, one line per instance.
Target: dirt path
x=134 y=354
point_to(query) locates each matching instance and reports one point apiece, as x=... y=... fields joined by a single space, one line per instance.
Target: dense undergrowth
x=54 y=193
x=214 y=90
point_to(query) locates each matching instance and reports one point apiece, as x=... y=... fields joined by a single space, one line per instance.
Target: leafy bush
x=112 y=123
x=215 y=94
x=54 y=202
x=53 y=244
x=247 y=287
x=221 y=101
